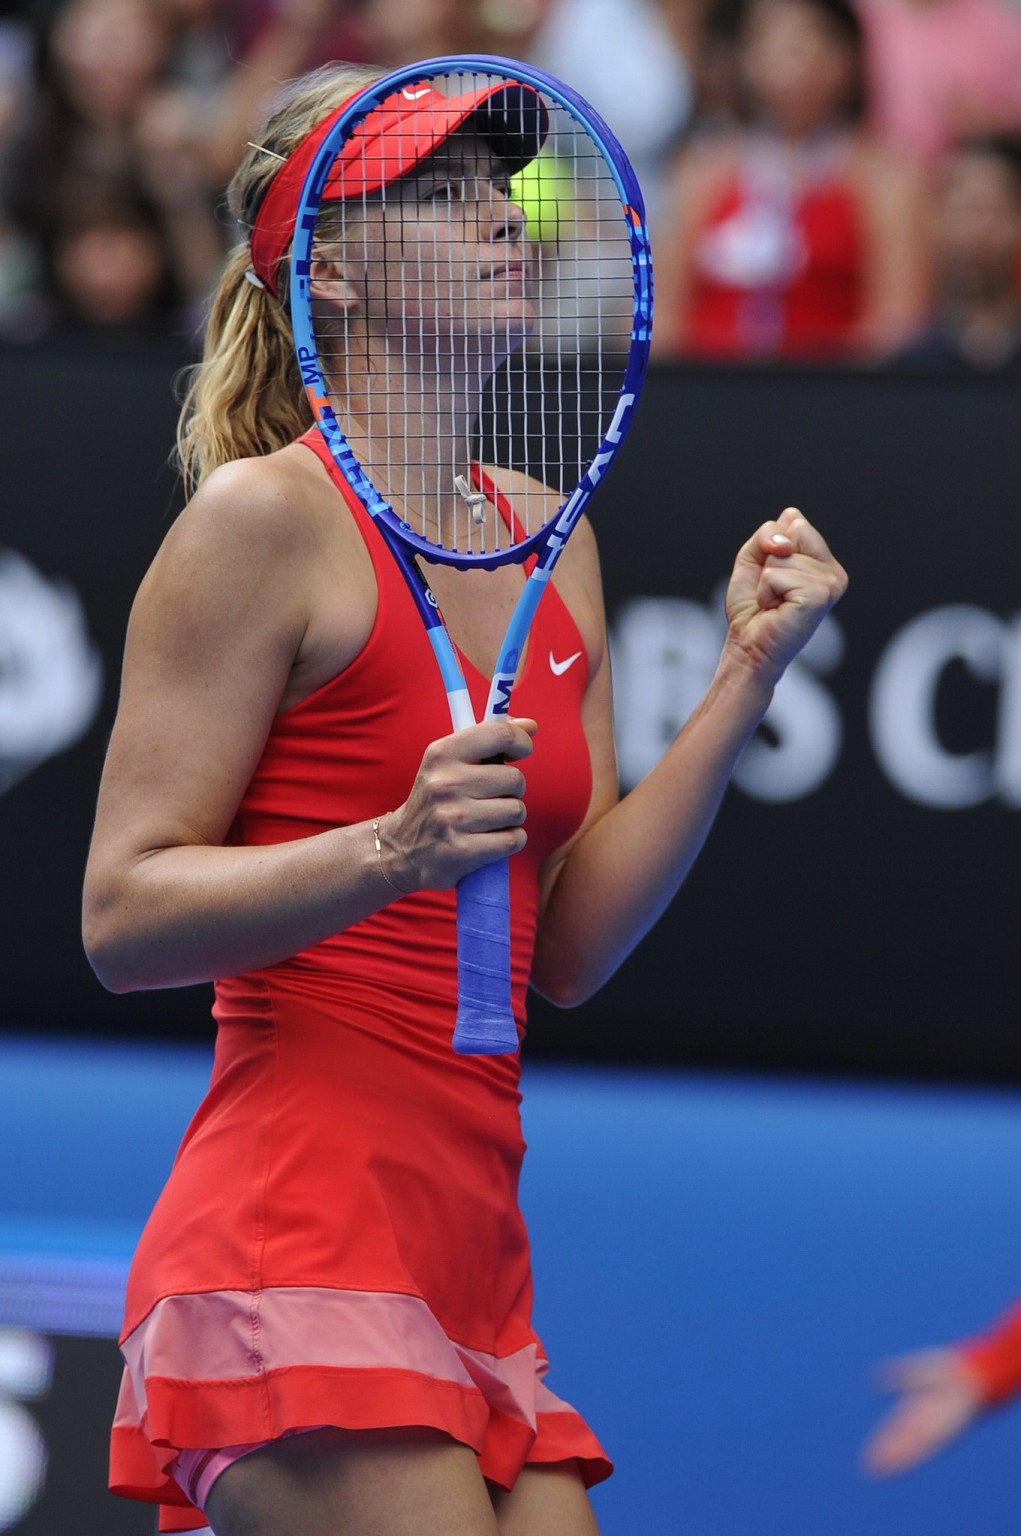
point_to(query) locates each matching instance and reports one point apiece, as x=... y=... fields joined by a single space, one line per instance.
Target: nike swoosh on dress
x=560 y=667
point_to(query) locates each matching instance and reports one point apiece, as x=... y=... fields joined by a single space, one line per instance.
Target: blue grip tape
x=485 y=1019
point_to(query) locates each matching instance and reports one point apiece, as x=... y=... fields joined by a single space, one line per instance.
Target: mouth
x=511 y=271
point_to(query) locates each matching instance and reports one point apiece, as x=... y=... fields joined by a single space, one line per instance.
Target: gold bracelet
x=379 y=855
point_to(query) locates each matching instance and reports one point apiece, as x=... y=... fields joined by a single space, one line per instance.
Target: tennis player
x=328 y=1320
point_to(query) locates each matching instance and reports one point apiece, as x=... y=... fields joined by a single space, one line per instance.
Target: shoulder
x=259 y=515
x=264 y=576
x=264 y=505
x=247 y=546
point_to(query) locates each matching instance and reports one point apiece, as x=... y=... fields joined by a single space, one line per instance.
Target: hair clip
x=250 y=144
x=254 y=278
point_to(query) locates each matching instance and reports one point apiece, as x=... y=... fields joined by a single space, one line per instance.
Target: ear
x=330 y=288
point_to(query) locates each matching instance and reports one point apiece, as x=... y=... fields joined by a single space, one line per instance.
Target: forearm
x=168 y=909
x=624 y=870
x=188 y=914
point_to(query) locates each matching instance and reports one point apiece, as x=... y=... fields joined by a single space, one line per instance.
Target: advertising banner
x=854 y=909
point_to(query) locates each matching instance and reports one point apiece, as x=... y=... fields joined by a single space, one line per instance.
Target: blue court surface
x=719 y=1262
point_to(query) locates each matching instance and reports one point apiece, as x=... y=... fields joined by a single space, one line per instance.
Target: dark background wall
x=855 y=908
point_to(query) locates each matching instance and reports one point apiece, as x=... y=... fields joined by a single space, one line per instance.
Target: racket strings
x=477 y=320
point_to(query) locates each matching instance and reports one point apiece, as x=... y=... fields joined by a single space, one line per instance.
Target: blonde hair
x=245 y=397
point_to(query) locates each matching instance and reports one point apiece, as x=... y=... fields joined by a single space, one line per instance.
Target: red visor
x=392 y=140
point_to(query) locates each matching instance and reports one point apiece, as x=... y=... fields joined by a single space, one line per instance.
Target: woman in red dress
x=328 y=1322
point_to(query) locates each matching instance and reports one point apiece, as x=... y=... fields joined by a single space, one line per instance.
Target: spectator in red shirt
x=793 y=233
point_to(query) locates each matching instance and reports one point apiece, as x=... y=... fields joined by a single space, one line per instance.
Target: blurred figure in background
x=942 y=1392
x=115 y=164
x=21 y=305
x=793 y=233
x=942 y=70
x=230 y=56
x=621 y=55
x=976 y=323
x=110 y=272
x=144 y=107
x=103 y=61
x=398 y=32
x=717 y=102
x=626 y=58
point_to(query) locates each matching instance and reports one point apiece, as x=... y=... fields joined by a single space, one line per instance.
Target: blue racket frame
x=485 y=1022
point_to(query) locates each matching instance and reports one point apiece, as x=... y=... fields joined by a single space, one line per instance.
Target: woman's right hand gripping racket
x=471 y=298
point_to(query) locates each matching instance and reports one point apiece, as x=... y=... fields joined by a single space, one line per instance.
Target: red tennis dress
x=339 y=1241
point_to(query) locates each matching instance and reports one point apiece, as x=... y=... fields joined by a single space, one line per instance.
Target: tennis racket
x=471 y=299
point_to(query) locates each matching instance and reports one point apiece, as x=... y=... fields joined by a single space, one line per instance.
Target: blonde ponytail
x=245 y=397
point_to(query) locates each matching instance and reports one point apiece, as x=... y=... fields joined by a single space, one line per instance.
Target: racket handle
x=485 y=1020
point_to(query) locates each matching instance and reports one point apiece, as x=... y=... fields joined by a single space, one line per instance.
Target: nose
x=507 y=219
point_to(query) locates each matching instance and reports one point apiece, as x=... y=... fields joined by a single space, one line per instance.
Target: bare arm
x=222 y=634
x=897 y=275
x=607 y=888
x=698 y=173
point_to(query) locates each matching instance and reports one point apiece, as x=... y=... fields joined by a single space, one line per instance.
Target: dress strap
x=487 y=485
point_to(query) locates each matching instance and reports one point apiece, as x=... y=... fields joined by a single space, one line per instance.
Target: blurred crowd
x=826 y=179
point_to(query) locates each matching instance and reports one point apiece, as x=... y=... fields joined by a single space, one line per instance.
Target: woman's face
x=978 y=222
x=108 y=54
x=440 y=264
x=110 y=274
x=798 y=67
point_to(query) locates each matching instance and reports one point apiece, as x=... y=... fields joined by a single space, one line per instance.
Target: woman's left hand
x=784 y=583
